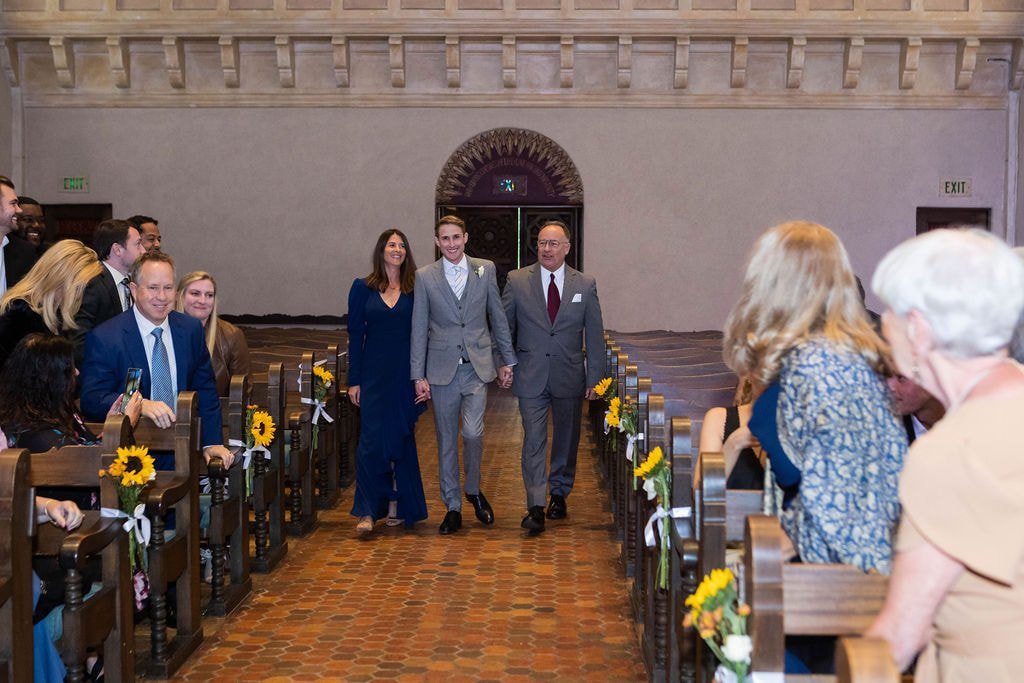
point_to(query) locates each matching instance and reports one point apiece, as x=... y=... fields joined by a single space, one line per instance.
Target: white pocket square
x=577 y=298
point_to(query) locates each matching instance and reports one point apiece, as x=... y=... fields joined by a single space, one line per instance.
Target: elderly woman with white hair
x=953 y=298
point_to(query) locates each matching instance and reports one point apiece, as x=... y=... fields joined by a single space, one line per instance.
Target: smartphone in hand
x=131 y=384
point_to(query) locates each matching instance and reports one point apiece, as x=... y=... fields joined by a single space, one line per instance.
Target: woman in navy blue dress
x=388 y=480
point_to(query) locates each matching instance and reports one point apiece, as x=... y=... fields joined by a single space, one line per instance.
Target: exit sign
x=75 y=183
x=955 y=187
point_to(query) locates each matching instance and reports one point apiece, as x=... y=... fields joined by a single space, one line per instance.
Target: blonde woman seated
x=957 y=590
x=229 y=352
x=48 y=297
x=725 y=430
x=834 y=445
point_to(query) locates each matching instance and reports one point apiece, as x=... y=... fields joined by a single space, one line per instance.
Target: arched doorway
x=505 y=183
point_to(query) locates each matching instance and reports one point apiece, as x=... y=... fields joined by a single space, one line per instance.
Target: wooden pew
x=328 y=452
x=16 y=521
x=228 y=533
x=865 y=660
x=268 y=501
x=105 y=621
x=800 y=599
x=174 y=561
x=298 y=382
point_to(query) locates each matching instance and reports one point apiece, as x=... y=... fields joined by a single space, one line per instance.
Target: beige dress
x=962 y=490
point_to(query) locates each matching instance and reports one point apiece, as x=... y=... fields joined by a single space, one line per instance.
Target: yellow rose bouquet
x=721 y=620
x=323 y=380
x=656 y=472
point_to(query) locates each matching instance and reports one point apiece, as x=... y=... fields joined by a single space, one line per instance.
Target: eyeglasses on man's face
x=554 y=244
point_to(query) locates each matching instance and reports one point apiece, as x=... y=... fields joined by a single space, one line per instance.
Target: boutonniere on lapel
x=480 y=271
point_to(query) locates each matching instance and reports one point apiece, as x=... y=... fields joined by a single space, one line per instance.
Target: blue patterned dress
x=837 y=427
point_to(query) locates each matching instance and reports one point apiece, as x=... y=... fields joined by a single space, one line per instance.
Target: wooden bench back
x=16 y=521
x=801 y=599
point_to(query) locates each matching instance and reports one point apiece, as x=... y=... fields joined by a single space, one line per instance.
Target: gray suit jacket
x=445 y=329
x=549 y=355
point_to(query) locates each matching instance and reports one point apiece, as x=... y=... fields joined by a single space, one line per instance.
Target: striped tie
x=460 y=282
x=163 y=389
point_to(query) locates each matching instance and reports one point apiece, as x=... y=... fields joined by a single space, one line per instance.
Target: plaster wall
x=284 y=205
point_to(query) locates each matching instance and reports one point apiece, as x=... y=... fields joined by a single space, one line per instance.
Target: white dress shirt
x=146 y=330
x=545 y=281
x=449 y=272
x=119 y=277
x=3 y=266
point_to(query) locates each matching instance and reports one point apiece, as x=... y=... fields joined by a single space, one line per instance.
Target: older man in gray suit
x=554 y=315
x=452 y=360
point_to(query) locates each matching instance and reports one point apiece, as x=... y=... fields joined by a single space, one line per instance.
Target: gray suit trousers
x=466 y=394
x=566 y=414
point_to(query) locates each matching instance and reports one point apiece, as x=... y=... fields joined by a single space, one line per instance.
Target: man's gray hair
x=967 y=284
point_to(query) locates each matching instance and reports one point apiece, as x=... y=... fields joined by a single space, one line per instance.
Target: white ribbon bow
x=137 y=521
x=318 y=411
x=247 y=452
x=630 y=442
x=662 y=513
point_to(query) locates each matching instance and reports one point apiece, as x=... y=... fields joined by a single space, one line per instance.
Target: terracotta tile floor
x=487 y=604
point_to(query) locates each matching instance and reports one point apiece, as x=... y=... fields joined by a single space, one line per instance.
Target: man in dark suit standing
x=18 y=255
x=118 y=245
x=167 y=346
x=554 y=316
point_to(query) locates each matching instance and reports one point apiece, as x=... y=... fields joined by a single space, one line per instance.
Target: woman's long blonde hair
x=54 y=286
x=211 y=325
x=798 y=284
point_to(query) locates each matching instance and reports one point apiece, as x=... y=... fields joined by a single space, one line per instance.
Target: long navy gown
x=387 y=466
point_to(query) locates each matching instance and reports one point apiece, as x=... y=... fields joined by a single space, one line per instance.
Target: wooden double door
x=507 y=235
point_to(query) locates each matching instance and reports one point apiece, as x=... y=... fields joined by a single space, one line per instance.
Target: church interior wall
x=283 y=204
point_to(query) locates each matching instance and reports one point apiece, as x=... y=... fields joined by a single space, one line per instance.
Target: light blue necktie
x=459 y=283
x=163 y=389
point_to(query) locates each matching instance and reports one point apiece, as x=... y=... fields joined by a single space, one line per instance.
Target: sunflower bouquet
x=259 y=433
x=657 y=475
x=131 y=471
x=323 y=380
x=721 y=620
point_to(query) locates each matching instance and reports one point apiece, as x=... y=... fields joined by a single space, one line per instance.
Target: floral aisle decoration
x=259 y=434
x=323 y=380
x=607 y=391
x=657 y=475
x=131 y=472
x=721 y=621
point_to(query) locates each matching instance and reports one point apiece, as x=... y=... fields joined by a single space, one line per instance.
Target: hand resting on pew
x=221 y=451
x=63 y=513
x=159 y=412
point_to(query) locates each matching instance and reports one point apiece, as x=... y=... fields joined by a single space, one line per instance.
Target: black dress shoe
x=556 y=508
x=452 y=523
x=534 y=520
x=483 y=509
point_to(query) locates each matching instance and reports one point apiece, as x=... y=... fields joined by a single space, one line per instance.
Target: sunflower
x=648 y=465
x=323 y=374
x=262 y=428
x=601 y=387
x=133 y=465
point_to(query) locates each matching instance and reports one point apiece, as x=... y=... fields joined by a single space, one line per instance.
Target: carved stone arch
x=510 y=164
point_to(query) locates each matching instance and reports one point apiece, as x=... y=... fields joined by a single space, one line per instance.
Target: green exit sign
x=75 y=183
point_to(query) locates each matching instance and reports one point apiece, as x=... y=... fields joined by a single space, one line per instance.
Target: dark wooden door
x=507 y=235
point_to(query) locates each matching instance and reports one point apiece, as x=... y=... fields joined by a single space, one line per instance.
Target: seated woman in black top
x=725 y=431
x=37 y=405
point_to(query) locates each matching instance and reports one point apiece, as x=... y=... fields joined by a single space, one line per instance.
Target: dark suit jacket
x=19 y=257
x=552 y=355
x=116 y=345
x=100 y=302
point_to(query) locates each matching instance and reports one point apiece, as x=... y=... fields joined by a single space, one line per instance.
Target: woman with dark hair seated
x=37 y=403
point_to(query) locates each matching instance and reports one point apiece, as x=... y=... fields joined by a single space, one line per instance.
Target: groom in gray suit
x=555 y=316
x=452 y=359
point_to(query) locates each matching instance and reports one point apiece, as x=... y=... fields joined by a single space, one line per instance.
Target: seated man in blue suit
x=168 y=346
